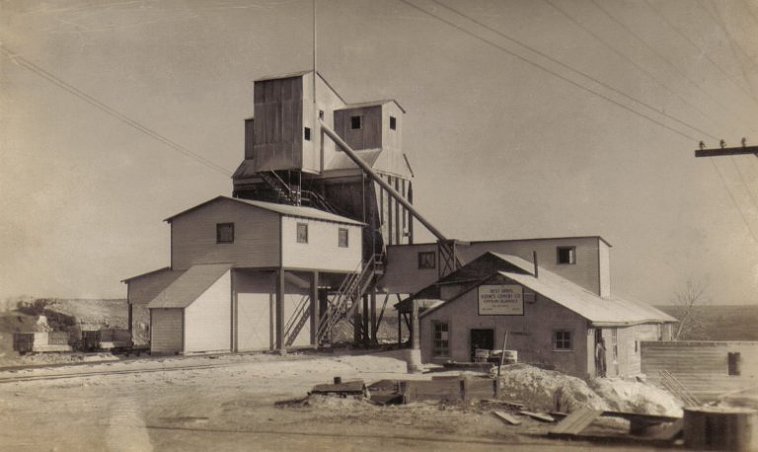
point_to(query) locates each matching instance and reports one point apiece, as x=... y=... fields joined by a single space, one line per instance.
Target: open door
x=483 y=339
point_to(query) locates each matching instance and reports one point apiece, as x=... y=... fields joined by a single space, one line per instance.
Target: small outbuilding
x=549 y=321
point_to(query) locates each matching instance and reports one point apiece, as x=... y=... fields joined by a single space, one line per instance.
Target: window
x=733 y=363
x=342 y=238
x=302 y=233
x=441 y=340
x=225 y=233
x=393 y=123
x=307 y=134
x=567 y=255
x=321 y=114
x=355 y=122
x=562 y=340
x=427 y=259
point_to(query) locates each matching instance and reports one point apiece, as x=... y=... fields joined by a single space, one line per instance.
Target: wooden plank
x=576 y=422
x=351 y=387
x=506 y=417
x=544 y=417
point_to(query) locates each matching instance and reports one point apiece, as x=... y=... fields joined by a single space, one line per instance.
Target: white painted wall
x=321 y=251
x=208 y=319
x=166 y=327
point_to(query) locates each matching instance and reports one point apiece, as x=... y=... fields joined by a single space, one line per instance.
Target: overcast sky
x=591 y=135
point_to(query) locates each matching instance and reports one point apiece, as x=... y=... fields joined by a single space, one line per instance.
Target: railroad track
x=138 y=370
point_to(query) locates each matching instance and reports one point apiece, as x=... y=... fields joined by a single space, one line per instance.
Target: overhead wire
x=732 y=45
x=550 y=71
x=572 y=69
x=635 y=64
x=696 y=46
x=491 y=43
x=657 y=53
x=28 y=65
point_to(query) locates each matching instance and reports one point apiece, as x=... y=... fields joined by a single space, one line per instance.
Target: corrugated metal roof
x=188 y=287
x=612 y=311
x=283 y=209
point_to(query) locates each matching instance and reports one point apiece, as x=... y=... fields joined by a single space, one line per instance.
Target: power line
x=526 y=60
x=633 y=63
x=734 y=200
x=732 y=45
x=654 y=51
x=572 y=69
x=694 y=44
x=539 y=66
x=28 y=65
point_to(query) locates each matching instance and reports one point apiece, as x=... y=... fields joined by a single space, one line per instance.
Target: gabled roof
x=300 y=74
x=282 y=209
x=188 y=287
x=372 y=103
x=612 y=311
x=142 y=275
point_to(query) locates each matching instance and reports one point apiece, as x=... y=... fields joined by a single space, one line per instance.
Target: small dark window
x=355 y=122
x=307 y=134
x=393 y=123
x=562 y=340
x=342 y=238
x=321 y=114
x=567 y=255
x=441 y=339
x=427 y=259
x=225 y=233
x=302 y=233
x=733 y=363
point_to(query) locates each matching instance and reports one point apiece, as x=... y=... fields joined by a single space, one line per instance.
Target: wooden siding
x=604 y=268
x=278 y=126
x=627 y=360
x=207 y=321
x=402 y=274
x=531 y=334
x=702 y=366
x=327 y=101
x=167 y=331
x=249 y=138
x=256 y=236
x=141 y=291
x=322 y=250
x=369 y=136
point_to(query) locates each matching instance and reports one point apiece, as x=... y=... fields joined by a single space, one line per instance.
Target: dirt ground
x=231 y=407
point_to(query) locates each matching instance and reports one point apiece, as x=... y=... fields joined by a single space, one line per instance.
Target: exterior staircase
x=297 y=320
x=282 y=188
x=347 y=298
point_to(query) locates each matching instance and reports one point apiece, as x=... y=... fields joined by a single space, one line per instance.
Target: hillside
x=724 y=323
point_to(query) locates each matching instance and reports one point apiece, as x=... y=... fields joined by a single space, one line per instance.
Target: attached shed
x=550 y=321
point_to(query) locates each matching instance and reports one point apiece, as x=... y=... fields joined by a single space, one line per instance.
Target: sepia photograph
x=388 y=225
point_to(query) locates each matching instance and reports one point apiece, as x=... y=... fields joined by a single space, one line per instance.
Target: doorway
x=483 y=339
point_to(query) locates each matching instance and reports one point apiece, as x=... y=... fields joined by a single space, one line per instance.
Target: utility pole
x=723 y=150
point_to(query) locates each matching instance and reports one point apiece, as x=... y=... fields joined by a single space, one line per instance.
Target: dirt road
x=231 y=407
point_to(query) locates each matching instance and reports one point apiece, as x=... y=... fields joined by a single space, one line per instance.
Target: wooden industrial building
x=320 y=226
x=241 y=272
x=550 y=320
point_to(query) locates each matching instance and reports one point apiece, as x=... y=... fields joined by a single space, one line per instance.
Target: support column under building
x=315 y=309
x=374 y=329
x=280 y=310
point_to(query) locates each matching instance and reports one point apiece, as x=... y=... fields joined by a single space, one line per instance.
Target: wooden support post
x=372 y=316
x=415 y=342
x=410 y=217
x=280 y=282
x=315 y=309
x=235 y=312
x=366 y=336
x=399 y=329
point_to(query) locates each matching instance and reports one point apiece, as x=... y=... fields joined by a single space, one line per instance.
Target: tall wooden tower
x=288 y=158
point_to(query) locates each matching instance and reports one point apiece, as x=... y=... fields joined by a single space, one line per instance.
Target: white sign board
x=502 y=299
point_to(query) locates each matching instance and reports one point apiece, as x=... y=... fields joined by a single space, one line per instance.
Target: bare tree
x=688 y=308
